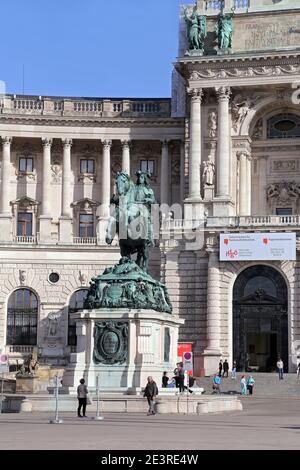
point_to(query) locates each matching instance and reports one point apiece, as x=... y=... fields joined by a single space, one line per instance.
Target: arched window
x=22 y=316
x=76 y=303
x=283 y=126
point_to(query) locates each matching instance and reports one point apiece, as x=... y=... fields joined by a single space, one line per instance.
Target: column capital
x=195 y=94
x=6 y=140
x=126 y=143
x=165 y=143
x=67 y=142
x=106 y=143
x=242 y=153
x=46 y=142
x=223 y=93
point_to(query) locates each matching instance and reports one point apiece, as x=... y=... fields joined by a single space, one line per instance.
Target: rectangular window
x=284 y=211
x=86 y=226
x=147 y=166
x=26 y=164
x=24 y=228
x=87 y=166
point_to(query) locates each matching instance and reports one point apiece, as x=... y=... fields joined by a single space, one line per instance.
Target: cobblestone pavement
x=270 y=423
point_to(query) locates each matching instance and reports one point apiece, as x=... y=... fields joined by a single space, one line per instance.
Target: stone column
x=212 y=352
x=5 y=176
x=262 y=192
x=164 y=173
x=195 y=145
x=105 y=200
x=249 y=185
x=65 y=221
x=223 y=158
x=243 y=190
x=45 y=217
x=182 y=172
x=105 y=190
x=6 y=231
x=126 y=156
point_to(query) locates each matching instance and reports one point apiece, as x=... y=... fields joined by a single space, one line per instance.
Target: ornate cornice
x=238 y=72
x=64 y=121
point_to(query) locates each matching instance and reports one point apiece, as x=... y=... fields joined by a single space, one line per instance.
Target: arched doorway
x=260 y=321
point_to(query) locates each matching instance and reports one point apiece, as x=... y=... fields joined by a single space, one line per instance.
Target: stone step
x=265 y=384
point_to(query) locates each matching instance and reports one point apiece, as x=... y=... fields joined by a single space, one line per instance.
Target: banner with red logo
x=258 y=247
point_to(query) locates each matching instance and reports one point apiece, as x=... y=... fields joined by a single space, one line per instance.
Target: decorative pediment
x=86 y=204
x=25 y=203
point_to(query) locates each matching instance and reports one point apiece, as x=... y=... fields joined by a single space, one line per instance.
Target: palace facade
x=225 y=147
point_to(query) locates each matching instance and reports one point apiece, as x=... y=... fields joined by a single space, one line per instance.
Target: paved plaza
x=265 y=423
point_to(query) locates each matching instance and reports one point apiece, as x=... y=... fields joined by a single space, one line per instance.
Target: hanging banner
x=258 y=247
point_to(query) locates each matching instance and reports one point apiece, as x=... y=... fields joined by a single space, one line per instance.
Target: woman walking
x=243 y=386
x=82 y=392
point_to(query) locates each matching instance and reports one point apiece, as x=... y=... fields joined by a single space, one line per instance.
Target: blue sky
x=116 y=48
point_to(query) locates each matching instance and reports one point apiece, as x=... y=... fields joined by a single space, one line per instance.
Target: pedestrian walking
x=280 y=366
x=250 y=384
x=82 y=393
x=225 y=368
x=220 y=367
x=176 y=375
x=233 y=371
x=243 y=385
x=150 y=392
x=165 y=380
x=181 y=377
x=216 y=386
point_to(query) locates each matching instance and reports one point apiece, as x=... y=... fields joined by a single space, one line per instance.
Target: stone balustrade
x=38 y=105
x=234 y=222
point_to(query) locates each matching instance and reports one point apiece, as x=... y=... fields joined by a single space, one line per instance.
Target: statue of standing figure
x=196 y=30
x=208 y=177
x=224 y=29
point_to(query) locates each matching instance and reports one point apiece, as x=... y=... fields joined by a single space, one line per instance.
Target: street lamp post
x=98 y=417
x=56 y=420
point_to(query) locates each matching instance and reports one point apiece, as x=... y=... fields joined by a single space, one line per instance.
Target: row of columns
x=66 y=175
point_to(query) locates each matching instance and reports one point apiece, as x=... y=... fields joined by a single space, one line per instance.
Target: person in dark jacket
x=225 y=368
x=82 y=392
x=151 y=391
x=220 y=367
x=165 y=380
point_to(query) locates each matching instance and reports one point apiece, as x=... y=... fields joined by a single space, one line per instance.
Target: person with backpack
x=250 y=384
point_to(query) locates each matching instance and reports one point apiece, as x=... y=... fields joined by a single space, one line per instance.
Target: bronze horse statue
x=131 y=218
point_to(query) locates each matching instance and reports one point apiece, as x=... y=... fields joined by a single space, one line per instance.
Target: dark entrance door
x=260 y=321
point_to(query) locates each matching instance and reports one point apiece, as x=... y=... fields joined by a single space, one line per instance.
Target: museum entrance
x=260 y=320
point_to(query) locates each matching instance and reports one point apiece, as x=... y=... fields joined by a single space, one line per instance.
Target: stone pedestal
x=124 y=346
x=65 y=230
x=6 y=228
x=29 y=384
x=209 y=192
x=223 y=207
x=45 y=229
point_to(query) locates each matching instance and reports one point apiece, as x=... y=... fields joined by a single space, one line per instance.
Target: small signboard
x=4 y=367
x=258 y=247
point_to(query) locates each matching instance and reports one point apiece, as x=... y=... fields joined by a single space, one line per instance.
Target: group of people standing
x=224 y=369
